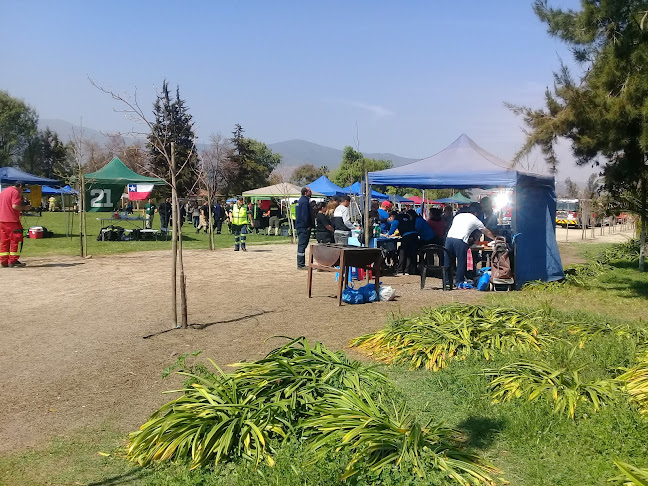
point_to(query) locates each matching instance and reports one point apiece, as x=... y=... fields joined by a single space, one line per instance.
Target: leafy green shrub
x=582 y=273
x=631 y=475
x=635 y=381
x=565 y=385
x=626 y=251
x=438 y=335
x=293 y=394
x=381 y=434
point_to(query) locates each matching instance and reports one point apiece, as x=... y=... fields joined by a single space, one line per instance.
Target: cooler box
x=36 y=232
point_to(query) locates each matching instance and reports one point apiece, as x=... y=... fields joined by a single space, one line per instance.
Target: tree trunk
x=174 y=238
x=82 y=220
x=290 y=222
x=642 y=237
x=177 y=252
x=209 y=219
x=183 y=280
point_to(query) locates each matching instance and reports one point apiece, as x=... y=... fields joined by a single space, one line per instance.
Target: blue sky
x=411 y=75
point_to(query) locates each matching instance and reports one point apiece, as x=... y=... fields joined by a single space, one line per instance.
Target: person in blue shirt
x=425 y=233
x=383 y=216
x=303 y=224
x=406 y=227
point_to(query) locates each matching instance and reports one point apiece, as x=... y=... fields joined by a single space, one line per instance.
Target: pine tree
x=251 y=163
x=173 y=123
x=605 y=114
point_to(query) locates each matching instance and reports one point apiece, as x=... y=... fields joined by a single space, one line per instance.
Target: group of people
x=332 y=222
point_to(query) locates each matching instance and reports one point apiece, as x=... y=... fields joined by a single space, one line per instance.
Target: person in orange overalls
x=11 y=230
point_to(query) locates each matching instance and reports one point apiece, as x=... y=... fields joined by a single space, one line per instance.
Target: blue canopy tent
x=47 y=190
x=449 y=200
x=400 y=199
x=464 y=165
x=356 y=188
x=10 y=175
x=323 y=185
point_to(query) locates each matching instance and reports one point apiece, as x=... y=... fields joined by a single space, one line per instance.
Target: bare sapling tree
x=78 y=154
x=163 y=143
x=210 y=175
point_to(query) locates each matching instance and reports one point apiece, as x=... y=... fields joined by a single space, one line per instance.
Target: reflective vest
x=293 y=211
x=239 y=214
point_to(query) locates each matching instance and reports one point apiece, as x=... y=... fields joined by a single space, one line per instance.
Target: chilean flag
x=139 y=192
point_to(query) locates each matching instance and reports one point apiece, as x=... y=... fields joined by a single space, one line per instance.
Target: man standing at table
x=303 y=225
x=463 y=225
x=149 y=212
x=11 y=230
x=342 y=221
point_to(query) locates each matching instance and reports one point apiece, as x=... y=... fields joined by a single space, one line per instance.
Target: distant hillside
x=66 y=131
x=298 y=152
x=293 y=152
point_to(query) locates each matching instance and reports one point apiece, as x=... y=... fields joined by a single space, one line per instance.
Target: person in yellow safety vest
x=52 y=203
x=239 y=217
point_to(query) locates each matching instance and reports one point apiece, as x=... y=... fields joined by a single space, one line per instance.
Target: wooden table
x=328 y=257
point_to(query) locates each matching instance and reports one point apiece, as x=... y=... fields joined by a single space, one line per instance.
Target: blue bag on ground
x=361 y=295
x=369 y=293
x=484 y=279
x=352 y=296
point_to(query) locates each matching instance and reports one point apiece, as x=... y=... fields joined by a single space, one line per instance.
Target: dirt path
x=570 y=241
x=73 y=354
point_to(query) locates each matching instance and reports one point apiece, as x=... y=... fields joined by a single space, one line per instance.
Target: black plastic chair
x=431 y=258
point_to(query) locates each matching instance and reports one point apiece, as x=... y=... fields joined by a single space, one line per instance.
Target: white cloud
x=377 y=110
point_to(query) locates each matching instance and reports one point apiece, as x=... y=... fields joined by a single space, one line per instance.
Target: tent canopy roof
x=63 y=190
x=281 y=190
x=115 y=172
x=356 y=188
x=462 y=164
x=10 y=175
x=324 y=186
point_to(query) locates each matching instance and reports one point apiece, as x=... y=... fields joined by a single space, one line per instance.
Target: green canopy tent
x=460 y=198
x=104 y=188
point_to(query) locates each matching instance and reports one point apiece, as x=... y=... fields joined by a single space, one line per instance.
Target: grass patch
x=65 y=245
x=598 y=329
x=617 y=291
x=86 y=457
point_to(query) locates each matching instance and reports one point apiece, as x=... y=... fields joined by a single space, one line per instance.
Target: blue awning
x=10 y=175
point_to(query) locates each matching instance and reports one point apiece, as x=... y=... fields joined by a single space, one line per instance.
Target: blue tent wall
x=536 y=251
x=464 y=164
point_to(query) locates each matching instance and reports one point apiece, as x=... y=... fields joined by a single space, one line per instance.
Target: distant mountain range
x=293 y=152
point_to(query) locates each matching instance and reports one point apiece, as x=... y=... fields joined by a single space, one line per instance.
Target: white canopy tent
x=283 y=190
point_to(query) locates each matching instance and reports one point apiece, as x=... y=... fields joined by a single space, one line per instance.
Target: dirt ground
x=74 y=352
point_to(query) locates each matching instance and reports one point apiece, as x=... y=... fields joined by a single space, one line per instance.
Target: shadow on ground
x=481 y=431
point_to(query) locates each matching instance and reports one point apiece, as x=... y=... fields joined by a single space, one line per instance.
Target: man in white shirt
x=342 y=221
x=463 y=225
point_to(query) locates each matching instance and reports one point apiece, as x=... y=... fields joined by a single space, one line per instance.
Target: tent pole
x=423 y=207
x=367 y=204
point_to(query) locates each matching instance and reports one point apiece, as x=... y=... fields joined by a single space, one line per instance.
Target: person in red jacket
x=11 y=230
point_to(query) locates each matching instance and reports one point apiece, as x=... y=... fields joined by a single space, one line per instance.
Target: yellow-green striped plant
x=438 y=335
x=230 y=415
x=297 y=392
x=635 y=382
x=631 y=475
x=382 y=435
x=536 y=379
